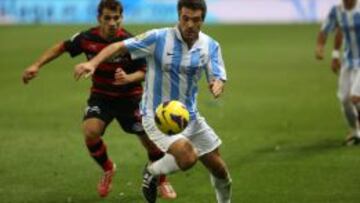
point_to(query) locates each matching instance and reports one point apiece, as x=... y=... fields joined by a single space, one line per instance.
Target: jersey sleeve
x=141 y=45
x=215 y=68
x=330 y=22
x=73 y=45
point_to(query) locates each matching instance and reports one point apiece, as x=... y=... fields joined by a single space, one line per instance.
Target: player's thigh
x=161 y=140
x=130 y=121
x=202 y=136
x=93 y=127
x=128 y=116
x=98 y=114
x=132 y=124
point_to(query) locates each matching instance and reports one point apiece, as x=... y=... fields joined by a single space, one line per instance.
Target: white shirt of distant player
x=349 y=22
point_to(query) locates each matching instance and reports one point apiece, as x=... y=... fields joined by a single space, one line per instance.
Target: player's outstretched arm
x=320 y=44
x=122 y=78
x=216 y=87
x=49 y=55
x=88 y=68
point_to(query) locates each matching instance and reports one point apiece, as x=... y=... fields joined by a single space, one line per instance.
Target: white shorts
x=349 y=83
x=200 y=134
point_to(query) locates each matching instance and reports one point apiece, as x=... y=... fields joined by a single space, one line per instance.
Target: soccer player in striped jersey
x=345 y=19
x=108 y=100
x=176 y=59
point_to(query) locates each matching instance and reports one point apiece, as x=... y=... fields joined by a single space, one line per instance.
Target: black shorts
x=125 y=111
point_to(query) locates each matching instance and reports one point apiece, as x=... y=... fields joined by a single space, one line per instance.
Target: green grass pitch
x=279 y=119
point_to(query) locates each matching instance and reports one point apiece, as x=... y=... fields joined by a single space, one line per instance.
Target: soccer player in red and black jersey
x=108 y=99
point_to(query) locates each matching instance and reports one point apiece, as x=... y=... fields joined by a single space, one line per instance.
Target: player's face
x=190 y=22
x=349 y=4
x=109 y=22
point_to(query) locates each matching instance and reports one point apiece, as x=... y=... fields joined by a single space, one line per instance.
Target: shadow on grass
x=292 y=151
x=110 y=199
x=319 y=146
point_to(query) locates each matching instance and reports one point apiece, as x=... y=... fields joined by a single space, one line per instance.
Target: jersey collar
x=178 y=35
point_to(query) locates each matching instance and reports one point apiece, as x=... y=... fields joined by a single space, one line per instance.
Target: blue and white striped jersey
x=172 y=69
x=349 y=22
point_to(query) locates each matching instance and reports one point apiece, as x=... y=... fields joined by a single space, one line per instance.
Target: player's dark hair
x=194 y=5
x=112 y=5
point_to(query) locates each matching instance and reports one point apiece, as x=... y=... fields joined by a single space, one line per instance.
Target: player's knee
x=216 y=164
x=187 y=161
x=93 y=128
x=91 y=131
x=188 y=157
x=186 y=164
x=185 y=154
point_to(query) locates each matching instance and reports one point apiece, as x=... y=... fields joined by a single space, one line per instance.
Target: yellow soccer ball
x=171 y=117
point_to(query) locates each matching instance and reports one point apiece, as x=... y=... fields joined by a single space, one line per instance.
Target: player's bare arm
x=86 y=69
x=49 y=55
x=336 y=62
x=122 y=78
x=216 y=87
x=320 y=44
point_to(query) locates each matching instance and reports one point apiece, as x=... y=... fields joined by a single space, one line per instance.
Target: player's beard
x=191 y=35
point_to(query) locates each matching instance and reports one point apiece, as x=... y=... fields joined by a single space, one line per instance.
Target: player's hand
x=216 y=87
x=335 y=65
x=30 y=73
x=84 y=70
x=319 y=53
x=121 y=78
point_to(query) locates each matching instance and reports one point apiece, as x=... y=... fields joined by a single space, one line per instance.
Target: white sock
x=222 y=189
x=350 y=112
x=165 y=165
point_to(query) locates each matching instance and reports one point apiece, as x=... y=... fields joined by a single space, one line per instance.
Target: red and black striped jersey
x=91 y=43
